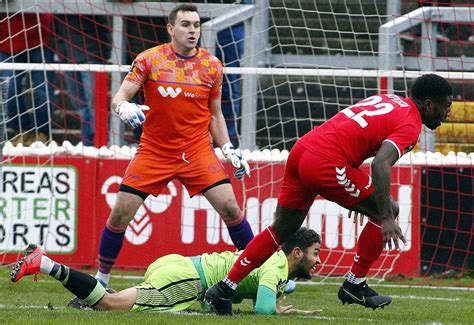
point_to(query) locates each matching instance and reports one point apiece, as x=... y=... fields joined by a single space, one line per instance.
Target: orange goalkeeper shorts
x=198 y=168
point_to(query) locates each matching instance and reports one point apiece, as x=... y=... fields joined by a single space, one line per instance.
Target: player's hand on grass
x=237 y=161
x=391 y=231
x=357 y=216
x=280 y=309
x=131 y=113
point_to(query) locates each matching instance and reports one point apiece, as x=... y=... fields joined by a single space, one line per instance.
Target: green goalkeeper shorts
x=171 y=284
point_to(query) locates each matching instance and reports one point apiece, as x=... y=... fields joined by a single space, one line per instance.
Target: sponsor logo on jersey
x=194 y=95
x=169 y=91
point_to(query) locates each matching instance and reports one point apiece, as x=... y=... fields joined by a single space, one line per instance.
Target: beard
x=303 y=271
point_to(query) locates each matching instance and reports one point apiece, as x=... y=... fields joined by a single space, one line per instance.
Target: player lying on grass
x=174 y=282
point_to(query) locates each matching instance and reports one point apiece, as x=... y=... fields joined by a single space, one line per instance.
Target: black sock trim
x=55 y=269
x=64 y=273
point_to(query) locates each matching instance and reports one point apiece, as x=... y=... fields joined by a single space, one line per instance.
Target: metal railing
x=390 y=48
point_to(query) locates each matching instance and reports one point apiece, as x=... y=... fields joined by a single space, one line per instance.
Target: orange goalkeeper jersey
x=177 y=90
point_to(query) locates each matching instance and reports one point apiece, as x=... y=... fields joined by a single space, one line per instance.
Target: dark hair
x=174 y=12
x=431 y=86
x=303 y=238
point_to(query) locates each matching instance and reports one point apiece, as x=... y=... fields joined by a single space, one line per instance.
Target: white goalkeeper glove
x=236 y=160
x=131 y=113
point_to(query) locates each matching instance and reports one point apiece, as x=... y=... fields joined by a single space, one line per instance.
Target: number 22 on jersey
x=377 y=108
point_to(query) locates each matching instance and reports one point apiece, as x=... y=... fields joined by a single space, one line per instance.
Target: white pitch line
x=425 y=298
x=405 y=286
x=421 y=297
x=341 y=318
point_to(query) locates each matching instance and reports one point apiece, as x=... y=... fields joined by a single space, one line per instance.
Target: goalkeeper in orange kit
x=182 y=108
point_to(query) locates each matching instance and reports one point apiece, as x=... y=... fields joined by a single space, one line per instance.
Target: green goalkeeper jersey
x=273 y=274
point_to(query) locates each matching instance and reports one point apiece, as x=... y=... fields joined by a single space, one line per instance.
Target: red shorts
x=197 y=168
x=308 y=174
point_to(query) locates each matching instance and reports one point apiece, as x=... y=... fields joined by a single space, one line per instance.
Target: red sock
x=260 y=248
x=369 y=248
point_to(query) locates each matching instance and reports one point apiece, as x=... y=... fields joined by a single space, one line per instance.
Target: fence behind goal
x=290 y=65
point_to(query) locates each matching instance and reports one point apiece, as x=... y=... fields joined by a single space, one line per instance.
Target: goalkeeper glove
x=131 y=113
x=236 y=160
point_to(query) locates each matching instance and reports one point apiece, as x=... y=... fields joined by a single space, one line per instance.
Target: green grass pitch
x=414 y=302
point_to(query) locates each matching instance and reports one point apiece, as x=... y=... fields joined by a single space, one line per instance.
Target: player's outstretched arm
x=265 y=304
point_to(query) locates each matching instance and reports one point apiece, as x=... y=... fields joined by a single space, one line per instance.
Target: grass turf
x=27 y=302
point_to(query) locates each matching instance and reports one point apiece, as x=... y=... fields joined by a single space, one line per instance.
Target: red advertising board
x=175 y=223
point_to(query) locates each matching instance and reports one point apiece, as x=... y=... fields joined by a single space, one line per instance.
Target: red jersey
x=177 y=90
x=357 y=132
x=22 y=31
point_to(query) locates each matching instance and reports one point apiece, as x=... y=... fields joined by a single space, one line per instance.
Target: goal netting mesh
x=289 y=66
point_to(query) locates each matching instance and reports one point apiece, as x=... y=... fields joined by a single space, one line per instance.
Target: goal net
x=289 y=66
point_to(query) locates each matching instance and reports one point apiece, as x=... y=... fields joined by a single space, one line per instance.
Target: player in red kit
x=326 y=162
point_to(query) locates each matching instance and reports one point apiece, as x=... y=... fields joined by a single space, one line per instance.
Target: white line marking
x=405 y=286
x=425 y=298
x=342 y=318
